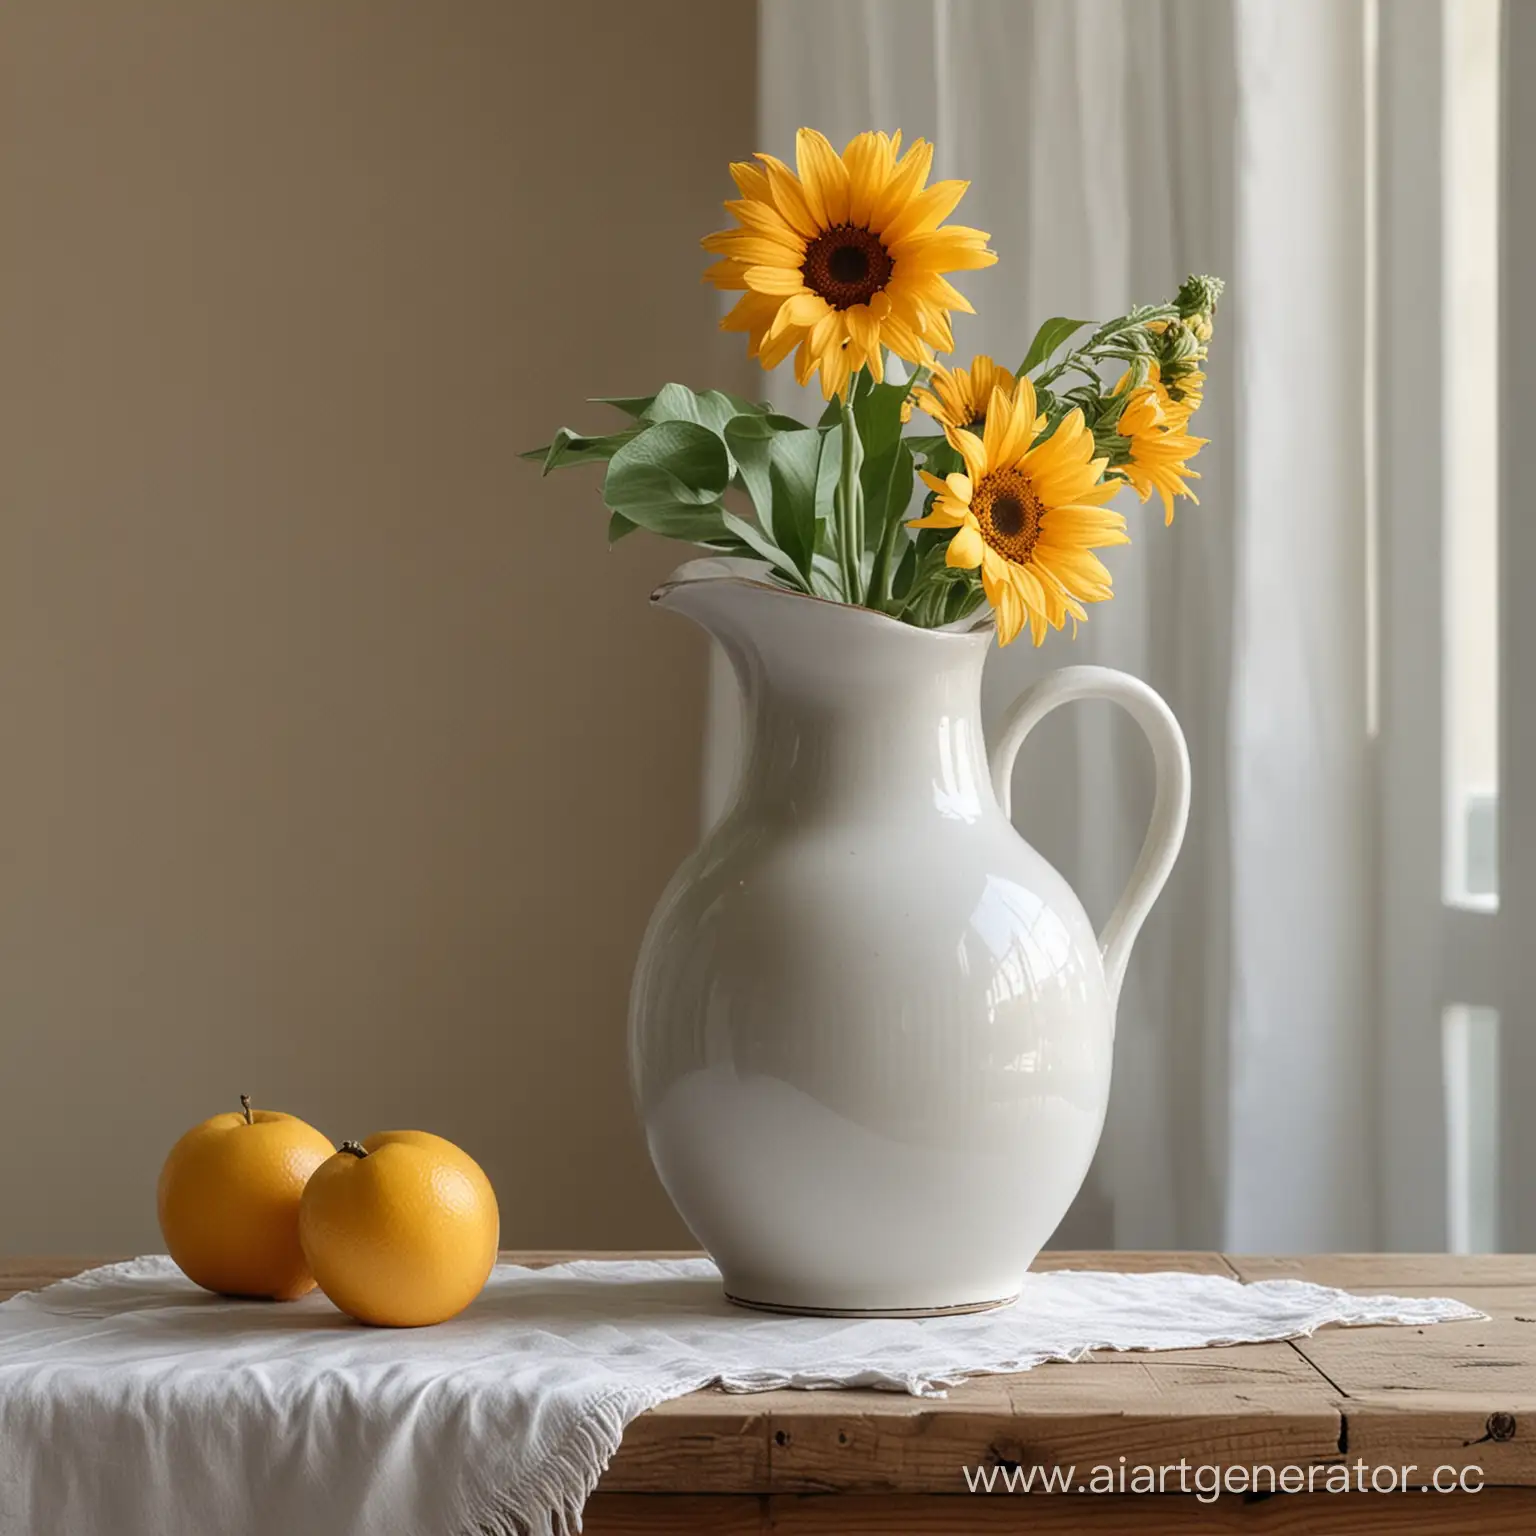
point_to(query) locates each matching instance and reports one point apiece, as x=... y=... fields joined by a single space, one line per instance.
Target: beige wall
x=341 y=762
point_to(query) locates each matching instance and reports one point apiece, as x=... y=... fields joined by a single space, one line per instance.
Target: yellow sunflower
x=959 y=395
x=1028 y=511
x=1182 y=393
x=1160 y=450
x=845 y=257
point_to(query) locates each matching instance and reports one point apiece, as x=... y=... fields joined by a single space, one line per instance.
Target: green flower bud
x=1199 y=295
x=1178 y=346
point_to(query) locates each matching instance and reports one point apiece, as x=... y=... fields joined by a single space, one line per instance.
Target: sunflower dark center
x=1009 y=512
x=846 y=265
x=1008 y=516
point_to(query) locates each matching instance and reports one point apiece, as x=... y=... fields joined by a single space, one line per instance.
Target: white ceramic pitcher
x=870 y=1029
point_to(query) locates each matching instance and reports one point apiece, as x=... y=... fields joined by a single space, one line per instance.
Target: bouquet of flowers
x=841 y=263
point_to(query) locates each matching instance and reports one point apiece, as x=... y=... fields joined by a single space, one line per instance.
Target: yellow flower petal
x=926 y=211
x=863 y=328
x=965 y=549
x=903 y=341
x=948 y=295
x=951 y=249
x=751 y=312
x=906 y=180
x=823 y=176
x=835 y=371
x=775 y=347
x=827 y=333
x=870 y=162
x=1024 y=391
x=765 y=219
x=753 y=249
x=999 y=420
x=727 y=273
x=803 y=309
x=784 y=281
x=750 y=181
x=970 y=448
x=789 y=196
x=1018 y=428
x=943 y=515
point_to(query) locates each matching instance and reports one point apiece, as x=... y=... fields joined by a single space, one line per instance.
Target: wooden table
x=1454 y=1396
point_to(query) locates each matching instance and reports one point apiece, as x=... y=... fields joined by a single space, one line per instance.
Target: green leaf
x=826 y=578
x=749 y=437
x=887 y=490
x=924 y=443
x=962 y=596
x=570 y=447
x=764 y=548
x=727 y=544
x=793 y=467
x=887 y=468
x=713 y=409
x=619 y=527
x=778 y=469
x=1050 y=336
x=643 y=485
x=689 y=453
x=631 y=405
x=691 y=522
x=877 y=411
x=761 y=425
x=669 y=479
x=885 y=509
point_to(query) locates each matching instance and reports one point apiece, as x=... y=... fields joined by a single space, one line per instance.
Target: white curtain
x=1113 y=146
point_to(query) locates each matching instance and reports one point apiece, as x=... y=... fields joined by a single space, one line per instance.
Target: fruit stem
x=245 y=1104
x=356 y=1148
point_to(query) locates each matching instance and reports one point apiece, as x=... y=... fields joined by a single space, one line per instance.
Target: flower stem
x=884 y=572
x=850 y=503
x=1138 y=319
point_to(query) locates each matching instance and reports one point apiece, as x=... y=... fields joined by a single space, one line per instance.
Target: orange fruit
x=229 y=1202
x=401 y=1230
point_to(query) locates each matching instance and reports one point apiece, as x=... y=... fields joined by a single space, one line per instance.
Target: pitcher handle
x=1170 y=808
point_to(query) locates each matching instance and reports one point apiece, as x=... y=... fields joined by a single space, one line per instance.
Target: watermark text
x=1208 y=1483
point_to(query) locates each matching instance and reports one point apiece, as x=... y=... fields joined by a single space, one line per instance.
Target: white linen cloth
x=132 y=1402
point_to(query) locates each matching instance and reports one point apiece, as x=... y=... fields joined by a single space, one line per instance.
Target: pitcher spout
x=823 y=643
x=733 y=601
x=709 y=591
